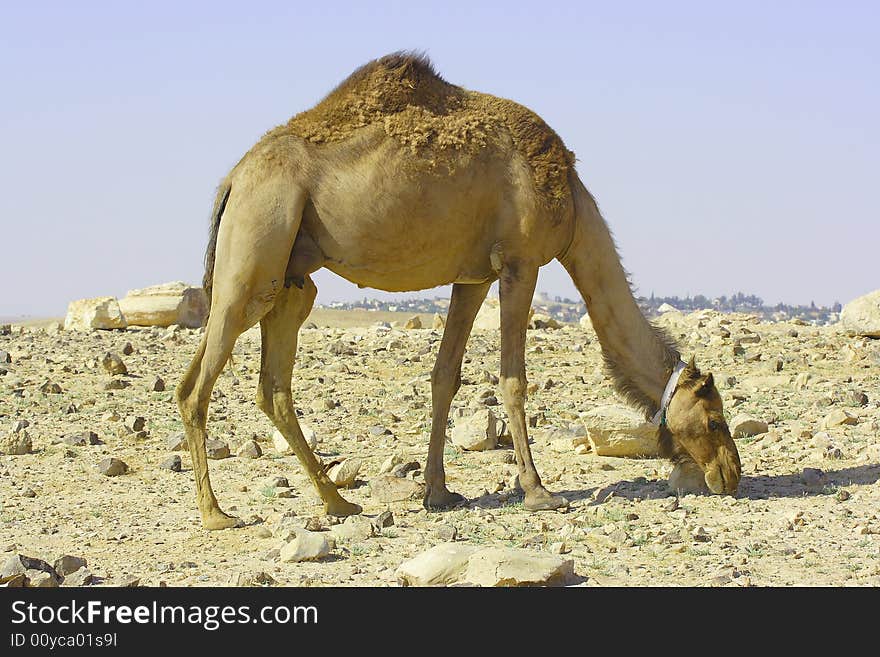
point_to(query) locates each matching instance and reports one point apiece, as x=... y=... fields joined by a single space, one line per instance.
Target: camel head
x=695 y=430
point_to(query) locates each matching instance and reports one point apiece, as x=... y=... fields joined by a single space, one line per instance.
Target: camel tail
x=219 y=207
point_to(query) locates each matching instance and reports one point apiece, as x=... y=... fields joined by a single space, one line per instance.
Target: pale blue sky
x=731 y=146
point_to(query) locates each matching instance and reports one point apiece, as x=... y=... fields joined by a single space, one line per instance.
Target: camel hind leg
x=253 y=247
x=445 y=382
x=279 y=329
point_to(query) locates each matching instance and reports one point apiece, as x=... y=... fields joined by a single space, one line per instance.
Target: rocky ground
x=806 y=512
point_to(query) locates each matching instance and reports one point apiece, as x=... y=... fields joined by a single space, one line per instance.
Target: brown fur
x=420 y=109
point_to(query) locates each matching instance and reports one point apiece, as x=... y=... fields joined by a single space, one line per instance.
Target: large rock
x=454 y=563
x=344 y=474
x=441 y=565
x=95 y=313
x=496 y=566
x=489 y=316
x=476 y=433
x=166 y=304
x=743 y=426
x=862 y=316
x=388 y=488
x=306 y=546
x=620 y=431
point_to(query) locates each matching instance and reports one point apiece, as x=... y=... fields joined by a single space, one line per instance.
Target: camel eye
x=713 y=425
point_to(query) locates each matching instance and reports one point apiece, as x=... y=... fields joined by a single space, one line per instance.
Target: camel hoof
x=440 y=501
x=544 y=501
x=219 y=520
x=342 y=508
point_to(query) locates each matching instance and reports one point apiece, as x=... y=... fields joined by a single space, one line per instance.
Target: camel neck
x=639 y=356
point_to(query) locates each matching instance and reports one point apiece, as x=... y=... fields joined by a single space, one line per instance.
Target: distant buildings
x=570 y=310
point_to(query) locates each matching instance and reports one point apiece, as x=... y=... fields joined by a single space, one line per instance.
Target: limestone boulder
x=477 y=433
x=861 y=316
x=94 y=313
x=166 y=304
x=489 y=316
x=620 y=431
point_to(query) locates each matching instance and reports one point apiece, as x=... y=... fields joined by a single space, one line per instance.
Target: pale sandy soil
x=620 y=529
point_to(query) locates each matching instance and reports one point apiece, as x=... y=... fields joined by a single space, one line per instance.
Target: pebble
x=216 y=448
x=177 y=442
x=172 y=463
x=81 y=439
x=388 y=488
x=344 y=474
x=112 y=467
x=157 y=385
x=113 y=364
x=249 y=449
x=17 y=443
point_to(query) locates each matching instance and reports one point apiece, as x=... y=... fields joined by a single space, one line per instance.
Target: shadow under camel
x=808 y=482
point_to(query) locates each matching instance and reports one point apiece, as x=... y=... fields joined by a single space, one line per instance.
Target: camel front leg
x=516 y=288
x=445 y=382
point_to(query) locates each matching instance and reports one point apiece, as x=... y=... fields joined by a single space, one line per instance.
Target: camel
x=399 y=180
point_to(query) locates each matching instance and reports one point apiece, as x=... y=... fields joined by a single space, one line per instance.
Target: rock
x=542 y=321
x=80 y=577
x=619 y=431
x=839 y=417
x=345 y=473
x=113 y=364
x=135 y=423
x=172 y=463
x=585 y=322
x=33 y=570
x=447 y=533
x=687 y=478
x=96 y=313
x=391 y=462
x=112 y=467
x=496 y=566
x=279 y=442
x=216 y=448
x=414 y=322
x=81 y=439
x=388 y=488
x=306 y=546
x=442 y=565
x=439 y=323
x=38 y=579
x=278 y=481
x=667 y=308
x=249 y=449
x=68 y=564
x=252 y=579
x=166 y=304
x=177 y=442
x=476 y=433
x=489 y=316
x=157 y=385
x=861 y=316
x=16 y=444
x=814 y=479
x=5 y=357
x=744 y=425
x=353 y=529
x=50 y=388
x=383 y=520
x=403 y=469
x=116 y=384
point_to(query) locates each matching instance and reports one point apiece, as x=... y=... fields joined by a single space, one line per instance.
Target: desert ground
x=807 y=511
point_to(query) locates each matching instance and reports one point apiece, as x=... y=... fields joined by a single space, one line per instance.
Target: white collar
x=660 y=415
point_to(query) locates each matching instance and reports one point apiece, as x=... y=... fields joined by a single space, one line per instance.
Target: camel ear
x=691 y=373
x=706 y=388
